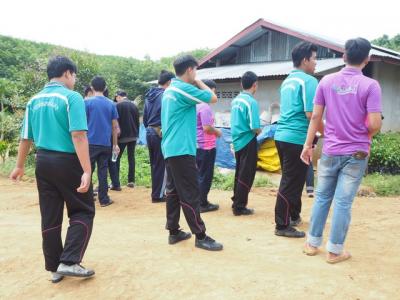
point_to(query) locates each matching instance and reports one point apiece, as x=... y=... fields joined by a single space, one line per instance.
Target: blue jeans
x=338 y=179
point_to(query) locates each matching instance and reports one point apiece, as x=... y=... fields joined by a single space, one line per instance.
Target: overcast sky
x=164 y=28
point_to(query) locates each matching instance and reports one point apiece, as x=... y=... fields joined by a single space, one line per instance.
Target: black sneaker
x=115 y=188
x=107 y=203
x=295 y=223
x=208 y=244
x=180 y=236
x=131 y=184
x=209 y=207
x=290 y=232
x=158 y=200
x=243 y=211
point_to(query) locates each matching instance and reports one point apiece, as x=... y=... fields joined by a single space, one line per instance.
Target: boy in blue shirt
x=55 y=121
x=245 y=125
x=178 y=125
x=102 y=119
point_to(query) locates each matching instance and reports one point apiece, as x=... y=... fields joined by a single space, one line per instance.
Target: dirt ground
x=132 y=259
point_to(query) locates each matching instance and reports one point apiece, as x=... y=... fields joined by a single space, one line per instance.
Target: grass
x=7 y=167
x=142 y=176
x=383 y=185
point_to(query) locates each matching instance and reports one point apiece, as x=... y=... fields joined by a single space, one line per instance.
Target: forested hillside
x=23 y=73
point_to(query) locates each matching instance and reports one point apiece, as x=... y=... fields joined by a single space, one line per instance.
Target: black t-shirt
x=128 y=120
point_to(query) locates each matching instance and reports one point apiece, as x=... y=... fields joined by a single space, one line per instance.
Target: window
x=227 y=95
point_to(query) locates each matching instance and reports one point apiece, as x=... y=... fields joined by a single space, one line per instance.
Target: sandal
x=309 y=250
x=337 y=259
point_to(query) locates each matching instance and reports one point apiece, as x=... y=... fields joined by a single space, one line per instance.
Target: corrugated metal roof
x=263 y=69
x=252 y=32
x=379 y=53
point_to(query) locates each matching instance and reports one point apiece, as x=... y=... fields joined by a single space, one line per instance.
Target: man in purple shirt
x=206 y=151
x=352 y=103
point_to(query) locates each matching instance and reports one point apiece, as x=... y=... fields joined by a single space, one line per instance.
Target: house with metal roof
x=265 y=48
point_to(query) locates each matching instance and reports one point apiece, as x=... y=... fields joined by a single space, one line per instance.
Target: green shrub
x=385 y=153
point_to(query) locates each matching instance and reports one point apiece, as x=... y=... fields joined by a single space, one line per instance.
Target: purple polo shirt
x=348 y=97
x=205 y=117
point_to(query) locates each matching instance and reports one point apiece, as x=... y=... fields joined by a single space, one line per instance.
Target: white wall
x=388 y=76
x=268 y=92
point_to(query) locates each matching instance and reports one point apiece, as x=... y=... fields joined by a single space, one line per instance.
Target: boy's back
x=100 y=112
x=244 y=120
x=348 y=96
x=178 y=118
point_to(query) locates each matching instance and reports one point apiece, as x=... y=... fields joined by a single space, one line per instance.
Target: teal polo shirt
x=245 y=118
x=178 y=118
x=297 y=97
x=51 y=115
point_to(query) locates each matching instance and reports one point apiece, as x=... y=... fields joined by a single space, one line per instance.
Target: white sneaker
x=55 y=277
x=74 y=270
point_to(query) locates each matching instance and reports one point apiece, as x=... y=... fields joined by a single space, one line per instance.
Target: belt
x=157 y=129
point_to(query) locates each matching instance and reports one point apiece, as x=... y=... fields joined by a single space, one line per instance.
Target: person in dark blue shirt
x=152 y=122
x=102 y=119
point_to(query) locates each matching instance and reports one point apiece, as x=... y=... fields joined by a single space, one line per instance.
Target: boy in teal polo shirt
x=297 y=93
x=55 y=120
x=245 y=125
x=178 y=125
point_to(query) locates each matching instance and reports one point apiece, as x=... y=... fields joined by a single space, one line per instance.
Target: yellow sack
x=268 y=158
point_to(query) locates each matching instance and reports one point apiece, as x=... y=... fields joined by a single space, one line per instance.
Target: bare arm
x=23 y=150
x=320 y=127
x=81 y=145
x=115 y=132
x=212 y=130
x=200 y=84
x=316 y=120
x=374 y=123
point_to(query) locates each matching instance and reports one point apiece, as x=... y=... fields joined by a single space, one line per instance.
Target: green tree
x=385 y=41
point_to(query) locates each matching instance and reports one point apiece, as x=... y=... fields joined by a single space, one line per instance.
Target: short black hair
x=165 y=76
x=357 y=50
x=210 y=83
x=302 y=50
x=58 y=65
x=106 y=93
x=87 y=90
x=248 y=79
x=121 y=93
x=98 y=84
x=184 y=62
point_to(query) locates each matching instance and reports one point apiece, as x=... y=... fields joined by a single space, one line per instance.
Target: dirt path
x=132 y=259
